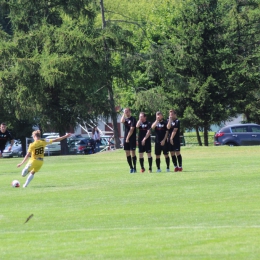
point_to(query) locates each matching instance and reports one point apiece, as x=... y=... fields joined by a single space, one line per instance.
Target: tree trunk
x=198 y=136
x=206 y=136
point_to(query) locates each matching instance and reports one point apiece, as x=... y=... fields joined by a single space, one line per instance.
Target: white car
x=16 y=151
x=53 y=148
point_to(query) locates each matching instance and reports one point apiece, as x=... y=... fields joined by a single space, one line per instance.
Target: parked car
x=84 y=146
x=16 y=151
x=55 y=148
x=239 y=134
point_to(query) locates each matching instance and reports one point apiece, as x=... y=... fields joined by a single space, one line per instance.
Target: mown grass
x=90 y=207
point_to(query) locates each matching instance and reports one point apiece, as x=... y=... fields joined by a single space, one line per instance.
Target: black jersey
x=130 y=122
x=175 y=124
x=160 y=131
x=4 y=137
x=143 y=128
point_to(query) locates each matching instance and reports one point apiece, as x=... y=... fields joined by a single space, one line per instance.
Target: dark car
x=239 y=134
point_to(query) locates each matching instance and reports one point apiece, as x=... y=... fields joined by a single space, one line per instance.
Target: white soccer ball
x=15 y=184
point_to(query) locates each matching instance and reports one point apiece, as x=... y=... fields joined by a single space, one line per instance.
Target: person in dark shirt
x=129 y=138
x=161 y=133
x=144 y=141
x=4 y=137
x=174 y=140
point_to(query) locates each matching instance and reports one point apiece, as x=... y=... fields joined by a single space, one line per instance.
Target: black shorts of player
x=131 y=146
x=147 y=148
x=175 y=147
x=2 y=148
x=159 y=149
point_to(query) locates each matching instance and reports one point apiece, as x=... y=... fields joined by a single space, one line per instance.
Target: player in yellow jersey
x=36 y=151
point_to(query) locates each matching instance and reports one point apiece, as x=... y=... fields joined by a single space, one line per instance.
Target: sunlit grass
x=90 y=207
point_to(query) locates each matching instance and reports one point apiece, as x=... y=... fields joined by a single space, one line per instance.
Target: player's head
x=36 y=134
x=127 y=112
x=142 y=116
x=172 y=113
x=3 y=127
x=159 y=115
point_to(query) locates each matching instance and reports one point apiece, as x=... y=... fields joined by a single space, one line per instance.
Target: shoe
x=134 y=171
x=150 y=170
x=131 y=170
x=176 y=169
x=168 y=170
x=159 y=170
x=180 y=169
x=143 y=170
x=24 y=186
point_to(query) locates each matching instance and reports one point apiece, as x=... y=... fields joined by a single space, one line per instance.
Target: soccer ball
x=15 y=184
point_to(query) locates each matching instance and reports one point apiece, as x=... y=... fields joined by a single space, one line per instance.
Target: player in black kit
x=4 y=137
x=161 y=134
x=174 y=140
x=129 y=138
x=144 y=141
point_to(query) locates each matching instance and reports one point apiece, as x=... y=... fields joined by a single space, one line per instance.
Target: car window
x=239 y=129
x=255 y=128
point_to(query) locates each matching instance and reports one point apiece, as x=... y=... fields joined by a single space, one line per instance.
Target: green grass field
x=90 y=207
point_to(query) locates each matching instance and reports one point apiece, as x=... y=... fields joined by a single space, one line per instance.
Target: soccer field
x=91 y=207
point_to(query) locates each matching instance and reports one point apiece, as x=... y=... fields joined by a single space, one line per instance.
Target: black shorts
x=145 y=148
x=2 y=148
x=131 y=146
x=159 y=149
x=175 y=147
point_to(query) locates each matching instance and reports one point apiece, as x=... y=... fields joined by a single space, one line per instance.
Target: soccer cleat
x=180 y=169
x=134 y=171
x=143 y=170
x=176 y=169
x=150 y=170
x=24 y=186
x=159 y=170
x=168 y=170
x=131 y=170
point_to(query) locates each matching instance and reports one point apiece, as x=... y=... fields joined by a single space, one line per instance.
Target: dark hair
x=158 y=113
x=143 y=114
x=3 y=123
x=173 y=111
x=93 y=130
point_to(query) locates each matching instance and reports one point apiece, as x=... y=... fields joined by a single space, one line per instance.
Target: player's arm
x=139 y=122
x=123 y=118
x=173 y=134
x=155 y=124
x=130 y=133
x=165 y=137
x=61 y=138
x=12 y=143
x=169 y=125
x=148 y=133
x=24 y=159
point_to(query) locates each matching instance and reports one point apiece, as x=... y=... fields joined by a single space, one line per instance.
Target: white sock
x=30 y=177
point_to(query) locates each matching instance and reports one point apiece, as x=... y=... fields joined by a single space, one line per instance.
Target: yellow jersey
x=37 y=148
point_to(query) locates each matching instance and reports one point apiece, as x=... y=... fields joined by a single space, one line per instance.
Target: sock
x=179 y=160
x=150 y=161
x=158 y=162
x=167 y=160
x=134 y=161
x=29 y=178
x=174 y=160
x=129 y=161
x=141 y=162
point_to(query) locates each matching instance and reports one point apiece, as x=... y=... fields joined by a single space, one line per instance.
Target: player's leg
x=35 y=167
x=141 y=150
x=179 y=158
x=128 y=156
x=158 y=151
x=148 y=149
x=132 y=149
x=167 y=159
